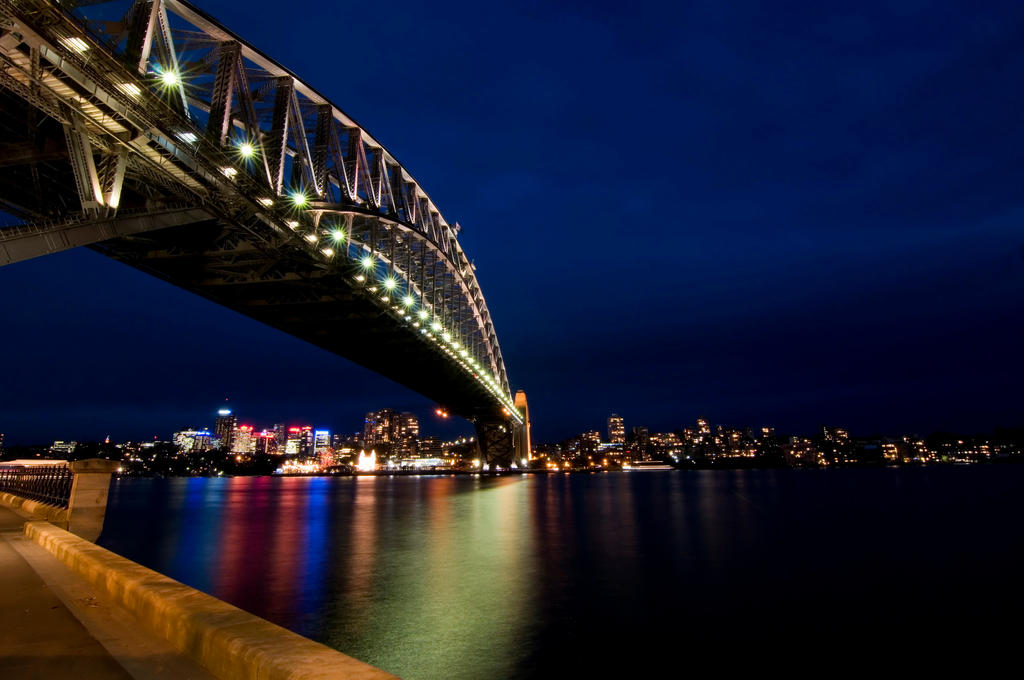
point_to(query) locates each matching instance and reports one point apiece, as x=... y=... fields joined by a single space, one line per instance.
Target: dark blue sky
x=766 y=213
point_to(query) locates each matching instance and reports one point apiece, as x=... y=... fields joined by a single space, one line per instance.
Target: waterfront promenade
x=55 y=624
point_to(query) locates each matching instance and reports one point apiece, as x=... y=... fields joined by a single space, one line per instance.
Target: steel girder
x=161 y=99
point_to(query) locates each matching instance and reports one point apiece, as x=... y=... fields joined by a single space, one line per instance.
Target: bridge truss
x=191 y=155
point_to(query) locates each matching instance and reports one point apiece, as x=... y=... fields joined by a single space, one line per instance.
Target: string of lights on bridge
x=417 y=315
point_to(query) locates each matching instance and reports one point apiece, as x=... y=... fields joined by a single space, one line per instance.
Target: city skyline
x=827 y=240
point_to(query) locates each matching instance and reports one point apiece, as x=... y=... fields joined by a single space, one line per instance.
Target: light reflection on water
x=466 y=577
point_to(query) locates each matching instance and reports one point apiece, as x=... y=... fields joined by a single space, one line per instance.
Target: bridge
x=147 y=131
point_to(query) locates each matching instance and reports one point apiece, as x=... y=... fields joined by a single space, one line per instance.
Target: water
x=603 y=575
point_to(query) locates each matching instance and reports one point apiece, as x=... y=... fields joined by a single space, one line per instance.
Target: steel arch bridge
x=149 y=132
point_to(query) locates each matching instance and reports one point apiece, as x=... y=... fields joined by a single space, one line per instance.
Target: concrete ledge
x=50 y=513
x=231 y=643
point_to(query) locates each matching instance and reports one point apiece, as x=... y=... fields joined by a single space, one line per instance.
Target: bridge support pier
x=496 y=442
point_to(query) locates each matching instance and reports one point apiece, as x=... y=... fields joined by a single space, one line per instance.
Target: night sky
x=763 y=213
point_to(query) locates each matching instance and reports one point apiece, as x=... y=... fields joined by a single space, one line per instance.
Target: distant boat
x=648 y=465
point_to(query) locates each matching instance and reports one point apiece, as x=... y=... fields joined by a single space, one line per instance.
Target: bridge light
x=360 y=278
x=130 y=89
x=169 y=78
x=229 y=172
x=265 y=202
x=367 y=262
x=390 y=283
x=246 y=150
x=75 y=44
x=188 y=137
x=327 y=251
x=422 y=314
x=338 y=235
x=435 y=326
x=447 y=336
x=408 y=301
x=311 y=238
x=292 y=224
x=299 y=199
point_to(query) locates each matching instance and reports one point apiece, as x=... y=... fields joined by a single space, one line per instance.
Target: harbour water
x=599 y=574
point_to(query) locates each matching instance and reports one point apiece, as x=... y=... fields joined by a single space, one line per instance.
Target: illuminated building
x=430 y=447
x=321 y=441
x=616 y=429
x=266 y=442
x=1 y=442
x=378 y=428
x=406 y=432
x=224 y=427
x=835 y=434
x=702 y=426
x=387 y=426
x=242 y=440
x=193 y=440
x=306 y=448
x=62 y=448
x=293 y=441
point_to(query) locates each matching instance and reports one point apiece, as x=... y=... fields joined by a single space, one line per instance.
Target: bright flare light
x=169 y=78
x=408 y=301
x=247 y=150
x=423 y=314
x=367 y=262
x=299 y=199
x=390 y=283
x=435 y=326
x=338 y=235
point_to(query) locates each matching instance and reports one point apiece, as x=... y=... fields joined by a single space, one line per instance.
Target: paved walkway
x=54 y=624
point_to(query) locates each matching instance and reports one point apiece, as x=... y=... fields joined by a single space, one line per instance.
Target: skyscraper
x=616 y=429
x=378 y=427
x=224 y=427
x=388 y=426
x=406 y=433
x=321 y=441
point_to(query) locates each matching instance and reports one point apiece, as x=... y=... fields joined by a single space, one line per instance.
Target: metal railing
x=49 y=484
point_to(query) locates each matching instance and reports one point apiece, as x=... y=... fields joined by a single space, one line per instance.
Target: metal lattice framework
x=171 y=120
